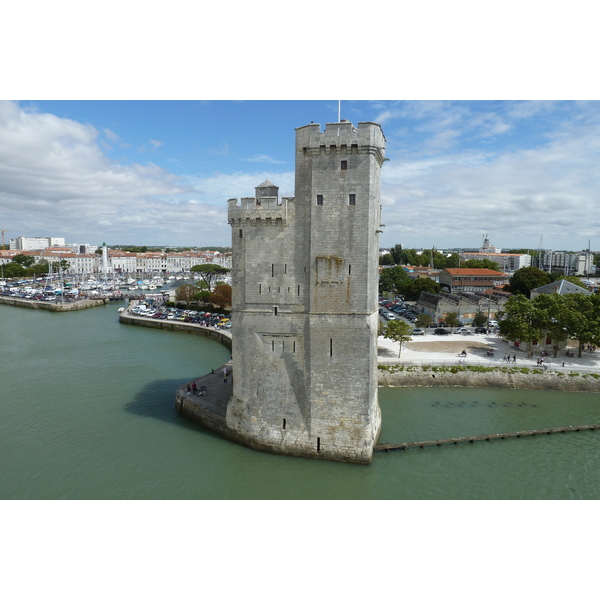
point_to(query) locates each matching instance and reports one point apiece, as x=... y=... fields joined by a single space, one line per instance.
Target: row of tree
x=25 y=266
x=555 y=317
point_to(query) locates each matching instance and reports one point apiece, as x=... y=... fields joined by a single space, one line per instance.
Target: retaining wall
x=509 y=379
x=52 y=306
x=215 y=334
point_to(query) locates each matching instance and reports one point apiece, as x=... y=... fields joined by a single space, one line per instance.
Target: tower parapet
x=249 y=209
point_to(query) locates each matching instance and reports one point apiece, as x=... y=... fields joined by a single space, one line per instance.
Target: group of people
x=195 y=390
x=508 y=359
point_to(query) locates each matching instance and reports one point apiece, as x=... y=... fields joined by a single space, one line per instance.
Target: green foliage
x=24 y=261
x=424 y=320
x=397 y=254
x=570 y=316
x=526 y=279
x=393 y=279
x=414 y=287
x=452 y=319
x=480 y=320
x=522 y=320
x=398 y=331
x=484 y=263
x=209 y=273
x=386 y=260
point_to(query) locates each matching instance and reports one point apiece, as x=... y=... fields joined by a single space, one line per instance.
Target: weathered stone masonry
x=305 y=274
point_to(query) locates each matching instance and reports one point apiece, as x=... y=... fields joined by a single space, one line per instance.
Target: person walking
x=225 y=375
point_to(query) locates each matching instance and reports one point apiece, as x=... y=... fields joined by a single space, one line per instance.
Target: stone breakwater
x=501 y=378
x=53 y=306
x=215 y=334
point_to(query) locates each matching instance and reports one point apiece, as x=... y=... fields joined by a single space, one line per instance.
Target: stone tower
x=305 y=287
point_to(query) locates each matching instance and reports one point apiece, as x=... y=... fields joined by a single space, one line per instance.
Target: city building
x=507 y=262
x=568 y=263
x=305 y=278
x=465 y=304
x=35 y=243
x=471 y=280
x=562 y=287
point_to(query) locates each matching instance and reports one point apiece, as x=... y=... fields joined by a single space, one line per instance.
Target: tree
x=221 y=296
x=521 y=320
x=583 y=319
x=209 y=273
x=24 y=261
x=398 y=331
x=484 y=263
x=397 y=254
x=452 y=319
x=480 y=320
x=202 y=294
x=553 y=317
x=392 y=279
x=452 y=261
x=424 y=320
x=414 y=287
x=185 y=293
x=386 y=259
x=526 y=279
x=13 y=269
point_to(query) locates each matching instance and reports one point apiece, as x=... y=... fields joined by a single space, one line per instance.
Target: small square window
x=319 y=200
x=344 y=165
x=352 y=199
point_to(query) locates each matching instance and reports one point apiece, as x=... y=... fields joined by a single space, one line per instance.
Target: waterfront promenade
x=414 y=368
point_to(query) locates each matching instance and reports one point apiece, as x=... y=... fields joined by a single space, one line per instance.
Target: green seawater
x=86 y=412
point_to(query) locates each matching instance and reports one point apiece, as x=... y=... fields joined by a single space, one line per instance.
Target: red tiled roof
x=475 y=272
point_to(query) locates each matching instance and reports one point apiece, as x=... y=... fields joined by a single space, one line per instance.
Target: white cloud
x=515 y=196
x=264 y=158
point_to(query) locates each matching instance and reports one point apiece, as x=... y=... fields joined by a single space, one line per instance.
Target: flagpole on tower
x=339 y=111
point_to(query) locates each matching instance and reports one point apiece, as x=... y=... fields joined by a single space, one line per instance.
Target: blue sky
x=482 y=133
x=160 y=172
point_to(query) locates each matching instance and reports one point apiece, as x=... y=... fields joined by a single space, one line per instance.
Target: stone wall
x=502 y=379
x=51 y=306
x=215 y=334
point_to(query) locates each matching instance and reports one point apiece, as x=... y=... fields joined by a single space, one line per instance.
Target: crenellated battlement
x=263 y=209
x=341 y=138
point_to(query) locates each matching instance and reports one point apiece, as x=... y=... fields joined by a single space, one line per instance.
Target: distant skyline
x=161 y=172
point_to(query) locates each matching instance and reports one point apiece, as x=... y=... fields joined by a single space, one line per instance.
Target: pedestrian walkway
x=445 y=351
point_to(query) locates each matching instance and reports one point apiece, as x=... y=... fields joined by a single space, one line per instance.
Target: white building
x=35 y=243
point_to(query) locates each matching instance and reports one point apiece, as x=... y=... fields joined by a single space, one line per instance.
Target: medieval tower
x=305 y=288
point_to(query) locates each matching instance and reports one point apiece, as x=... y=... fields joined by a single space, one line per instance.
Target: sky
x=160 y=172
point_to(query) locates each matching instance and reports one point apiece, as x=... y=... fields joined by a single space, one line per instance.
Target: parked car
x=418 y=332
x=441 y=331
x=480 y=330
x=463 y=330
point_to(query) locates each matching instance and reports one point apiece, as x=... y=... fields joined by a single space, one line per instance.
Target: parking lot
x=206 y=319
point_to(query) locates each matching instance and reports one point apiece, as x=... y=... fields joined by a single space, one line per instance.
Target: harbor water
x=87 y=412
